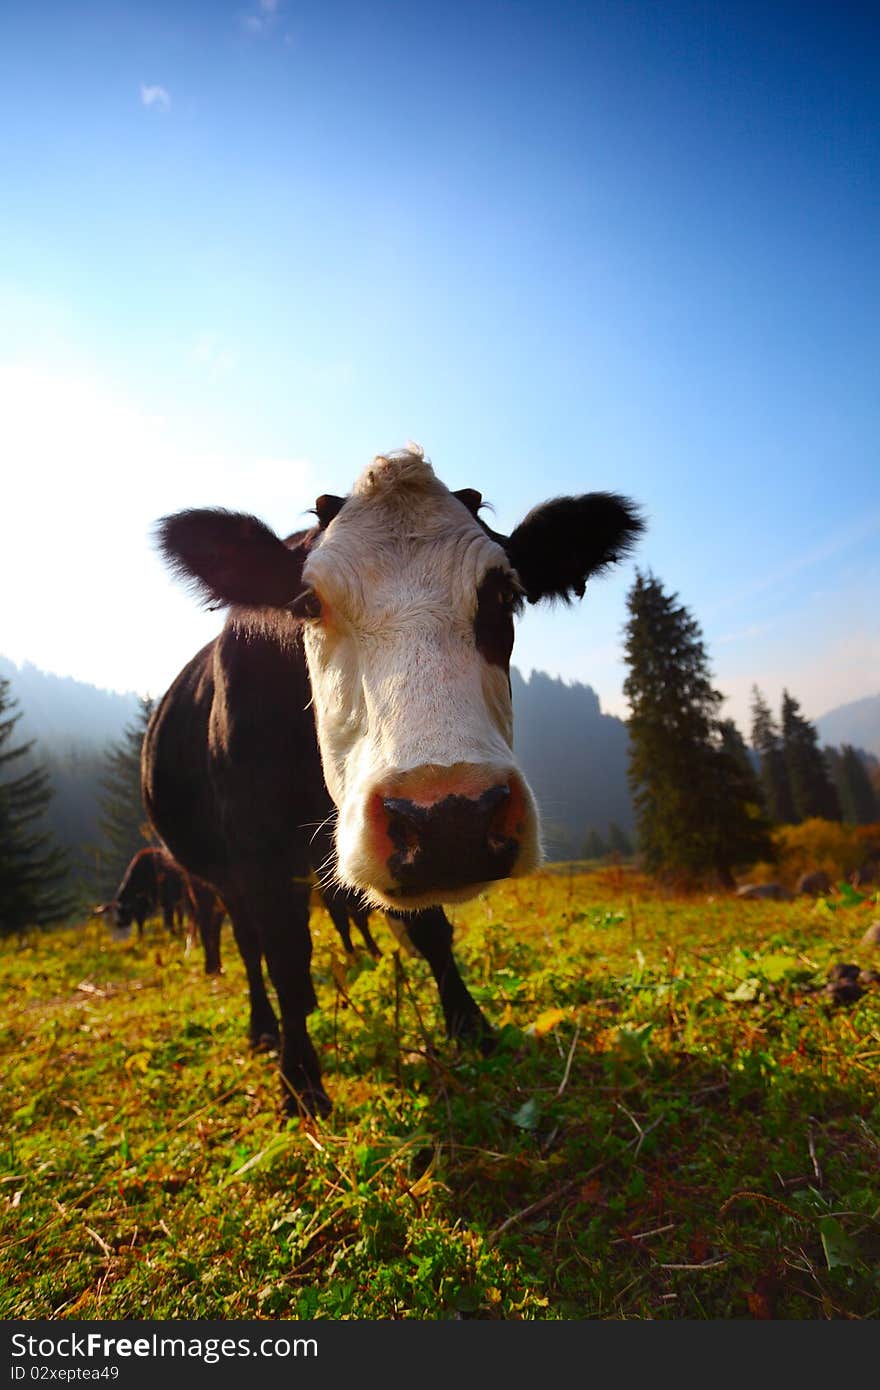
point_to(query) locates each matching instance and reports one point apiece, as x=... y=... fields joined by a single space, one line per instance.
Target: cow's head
x=124 y=910
x=121 y=917
x=406 y=601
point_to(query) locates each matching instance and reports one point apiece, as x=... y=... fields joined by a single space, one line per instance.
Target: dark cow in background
x=361 y=681
x=814 y=884
x=151 y=883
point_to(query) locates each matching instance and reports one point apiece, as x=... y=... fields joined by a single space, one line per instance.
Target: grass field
x=678 y=1122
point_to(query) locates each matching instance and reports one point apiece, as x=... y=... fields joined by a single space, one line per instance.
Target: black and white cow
x=361 y=681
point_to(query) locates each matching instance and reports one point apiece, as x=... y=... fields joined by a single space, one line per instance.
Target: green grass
x=678 y=1122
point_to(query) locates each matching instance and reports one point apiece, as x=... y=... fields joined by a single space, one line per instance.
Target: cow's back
x=139 y=879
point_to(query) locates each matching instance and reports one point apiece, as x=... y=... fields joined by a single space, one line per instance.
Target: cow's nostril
x=405 y=821
x=406 y=811
x=496 y=796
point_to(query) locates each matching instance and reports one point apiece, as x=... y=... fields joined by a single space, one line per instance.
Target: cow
x=753 y=891
x=360 y=682
x=815 y=884
x=151 y=883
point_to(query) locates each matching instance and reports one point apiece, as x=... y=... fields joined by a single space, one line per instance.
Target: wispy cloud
x=262 y=18
x=842 y=540
x=157 y=97
x=754 y=630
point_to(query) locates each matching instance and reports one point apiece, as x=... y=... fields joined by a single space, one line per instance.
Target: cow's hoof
x=266 y=1040
x=311 y=1102
x=474 y=1031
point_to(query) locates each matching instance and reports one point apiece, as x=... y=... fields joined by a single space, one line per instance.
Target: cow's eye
x=506 y=597
x=306 y=605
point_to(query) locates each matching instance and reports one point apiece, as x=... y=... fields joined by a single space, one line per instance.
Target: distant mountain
x=575 y=758
x=73 y=725
x=65 y=713
x=857 y=723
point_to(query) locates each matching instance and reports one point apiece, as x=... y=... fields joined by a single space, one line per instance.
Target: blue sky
x=627 y=246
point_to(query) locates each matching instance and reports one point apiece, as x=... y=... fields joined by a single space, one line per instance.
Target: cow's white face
x=411 y=692
x=406 y=604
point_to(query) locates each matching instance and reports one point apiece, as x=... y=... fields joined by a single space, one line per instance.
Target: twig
x=813 y=1159
x=546 y=1201
x=398 y=1062
x=439 y=1066
x=707 y=1264
x=565 y=1075
x=644 y=1235
x=414 y=1002
x=642 y=1133
x=103 y=1244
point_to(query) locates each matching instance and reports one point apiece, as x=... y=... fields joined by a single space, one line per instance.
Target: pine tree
x=773 y=776
x=859 y=801
x=693 y=811
x=33 y=869
x=594 y=847
x=744 y=818
x=122 y=820
x=618 y=841
x=812 y=789
x=834 y=762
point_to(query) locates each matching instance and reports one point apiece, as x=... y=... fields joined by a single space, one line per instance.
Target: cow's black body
x=151 y=883
x=232 y=782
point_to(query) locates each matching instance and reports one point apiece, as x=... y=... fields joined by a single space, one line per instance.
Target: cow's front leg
x=263 y=1025
x=282 y=918
x=430 y=932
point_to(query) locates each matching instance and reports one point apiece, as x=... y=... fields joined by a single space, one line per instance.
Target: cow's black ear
x=472 y=499
x=327 y=507
x=563 y=543
x=230 y=557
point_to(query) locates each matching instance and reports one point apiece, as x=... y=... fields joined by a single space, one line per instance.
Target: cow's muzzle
x=454 y=841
